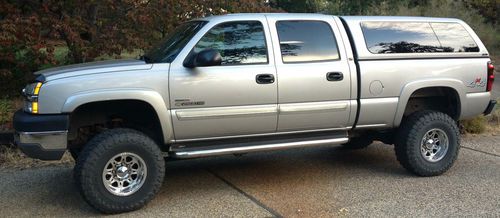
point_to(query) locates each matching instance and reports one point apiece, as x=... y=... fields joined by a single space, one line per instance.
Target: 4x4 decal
x=478 y=82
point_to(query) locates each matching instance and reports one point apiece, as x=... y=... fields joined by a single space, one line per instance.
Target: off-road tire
x=74 y=152
x=409 y=139
x=358 y=142
x=93 y=158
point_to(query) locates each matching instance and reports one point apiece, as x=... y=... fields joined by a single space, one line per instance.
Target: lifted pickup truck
x=241 y=83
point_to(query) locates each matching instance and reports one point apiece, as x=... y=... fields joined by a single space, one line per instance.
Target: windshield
x=169 y=48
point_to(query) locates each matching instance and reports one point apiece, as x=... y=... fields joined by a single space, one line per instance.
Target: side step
x=215 y=148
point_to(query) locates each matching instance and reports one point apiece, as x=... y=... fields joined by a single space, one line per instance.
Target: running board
x=184 y=152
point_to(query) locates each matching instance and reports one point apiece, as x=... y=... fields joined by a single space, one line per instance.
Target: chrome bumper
x=49 y=145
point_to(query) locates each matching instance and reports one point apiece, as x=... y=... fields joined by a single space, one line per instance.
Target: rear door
x=236 y=98
x=314 y=83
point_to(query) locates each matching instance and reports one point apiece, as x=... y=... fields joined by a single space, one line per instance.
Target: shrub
x=5 y=111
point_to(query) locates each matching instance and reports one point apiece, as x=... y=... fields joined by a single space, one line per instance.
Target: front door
x=314 y=82
x=238 y=97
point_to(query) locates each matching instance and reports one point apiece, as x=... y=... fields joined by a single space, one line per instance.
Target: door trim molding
x=328 y=106
x=225 y=112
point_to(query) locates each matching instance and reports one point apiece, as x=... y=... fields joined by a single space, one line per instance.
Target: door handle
x=334 y=76
x=264 y=78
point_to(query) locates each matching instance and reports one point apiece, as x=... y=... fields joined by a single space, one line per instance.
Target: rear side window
x=416 y=37
x=306 y=41
x=394 y=37
x=454 y=38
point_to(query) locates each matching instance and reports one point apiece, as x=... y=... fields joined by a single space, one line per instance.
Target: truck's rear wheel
x=119 y=170
x=428 y=143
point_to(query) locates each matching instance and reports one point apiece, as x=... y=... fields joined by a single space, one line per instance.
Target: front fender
x=411 y=87
x=149 y=96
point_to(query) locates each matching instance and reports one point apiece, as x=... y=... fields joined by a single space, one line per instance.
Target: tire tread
x=87 y=162
x=408 y=136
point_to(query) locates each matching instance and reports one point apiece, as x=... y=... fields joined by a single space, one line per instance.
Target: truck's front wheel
x=119 y=170
x=428 y=143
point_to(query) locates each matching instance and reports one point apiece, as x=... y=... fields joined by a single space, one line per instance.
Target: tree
x=30 y=30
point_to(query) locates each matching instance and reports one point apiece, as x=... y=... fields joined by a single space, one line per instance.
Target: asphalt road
x=319 y=182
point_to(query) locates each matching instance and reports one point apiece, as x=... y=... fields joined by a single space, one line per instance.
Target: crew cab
x=241 y=83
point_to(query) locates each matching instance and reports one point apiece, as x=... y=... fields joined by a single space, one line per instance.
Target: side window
x=454 y=38
x=304 y=41
x=400 y=37
x=239 y=42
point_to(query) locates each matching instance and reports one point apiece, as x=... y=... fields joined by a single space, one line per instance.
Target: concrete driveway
x=322 y=181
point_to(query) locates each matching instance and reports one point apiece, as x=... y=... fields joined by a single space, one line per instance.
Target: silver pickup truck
x=242 y=83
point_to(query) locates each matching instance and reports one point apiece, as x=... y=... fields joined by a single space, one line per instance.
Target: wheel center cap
x=429 y=144
x=122 y=172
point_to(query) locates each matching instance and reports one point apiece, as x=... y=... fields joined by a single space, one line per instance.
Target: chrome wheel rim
x=434 y=145
x=124 y=174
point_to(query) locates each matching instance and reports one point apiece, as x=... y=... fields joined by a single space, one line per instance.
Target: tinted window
x=302 y=41
x=454 y=37
x=169 y=48
x=400 y=37
x=241 y=42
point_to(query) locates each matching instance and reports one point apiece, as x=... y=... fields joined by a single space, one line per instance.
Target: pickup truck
x=241 y=83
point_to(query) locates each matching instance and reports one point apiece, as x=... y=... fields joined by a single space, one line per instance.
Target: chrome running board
x=186 y=152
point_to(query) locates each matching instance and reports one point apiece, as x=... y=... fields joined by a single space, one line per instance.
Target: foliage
x=489 y=9
x=31 y=30
x=22 y=49
x=5 y=111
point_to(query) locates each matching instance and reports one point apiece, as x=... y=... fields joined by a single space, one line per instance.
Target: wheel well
x=92 y=118
x=442 y=99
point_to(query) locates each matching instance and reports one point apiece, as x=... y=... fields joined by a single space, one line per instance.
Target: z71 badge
x=477 y=83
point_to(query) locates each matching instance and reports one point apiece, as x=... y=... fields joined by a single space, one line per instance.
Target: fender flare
x=411 y=87
x=151 y=97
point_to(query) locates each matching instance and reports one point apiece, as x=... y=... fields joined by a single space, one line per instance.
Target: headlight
x=30 y=92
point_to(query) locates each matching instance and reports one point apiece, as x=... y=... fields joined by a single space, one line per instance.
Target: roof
x=398 y=18
x=320 y=16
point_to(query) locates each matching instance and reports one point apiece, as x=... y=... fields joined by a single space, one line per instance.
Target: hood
x=93 y=68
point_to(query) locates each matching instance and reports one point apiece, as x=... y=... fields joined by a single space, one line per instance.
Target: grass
x=493 y=121
x=12 y=157
x=7 y=109
x=483 y=124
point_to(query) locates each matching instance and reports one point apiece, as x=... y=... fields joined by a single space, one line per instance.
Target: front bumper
x=42 y=137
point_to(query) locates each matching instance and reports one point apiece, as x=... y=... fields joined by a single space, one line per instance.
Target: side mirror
x=205 y=58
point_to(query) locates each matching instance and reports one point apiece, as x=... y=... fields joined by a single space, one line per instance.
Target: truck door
x=238 y=97
x=314 y=83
